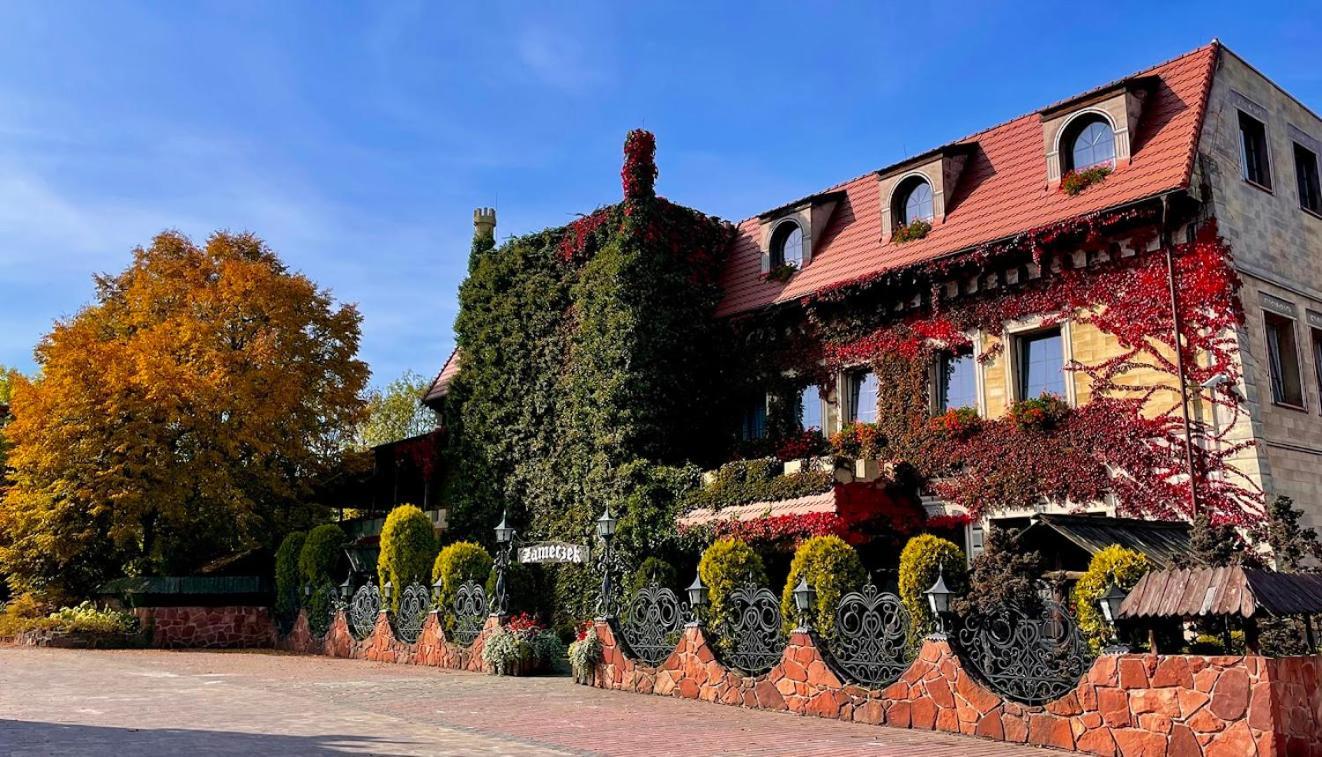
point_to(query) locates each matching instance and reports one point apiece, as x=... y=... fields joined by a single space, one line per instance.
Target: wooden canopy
x=1224 y=592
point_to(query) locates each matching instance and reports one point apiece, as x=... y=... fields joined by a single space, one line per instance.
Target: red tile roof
x=1002 y=191
x=442 y=381
x=806 y=505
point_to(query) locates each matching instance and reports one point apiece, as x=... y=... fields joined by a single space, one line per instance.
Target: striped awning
x=812 y=503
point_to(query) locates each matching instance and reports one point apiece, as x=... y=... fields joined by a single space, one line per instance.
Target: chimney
x=484 y=221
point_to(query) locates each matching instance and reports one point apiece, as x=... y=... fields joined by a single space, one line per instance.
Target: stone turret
x=484 y=221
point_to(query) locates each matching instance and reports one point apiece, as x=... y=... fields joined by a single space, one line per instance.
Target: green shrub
x=459 y=562
x=653 y=568
x=87 y=618
x=1117 y=565
x=506 y=652
x=727 y=565
x=833 y=569
x=925 y=556
x=288 y=587
x=408 y=549
x=321 y=554
x=744 y=481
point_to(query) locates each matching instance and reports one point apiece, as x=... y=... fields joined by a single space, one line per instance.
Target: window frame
x=1244 y=152
x=1301 y=179
x=1316 y=335
x=821 y=408
x=851 y=401
x=1275 y=362
x=1015 y=338
x=744 y=414
x=779 y=236
x=940 y=400
x=900 y=195
x=1070 y=134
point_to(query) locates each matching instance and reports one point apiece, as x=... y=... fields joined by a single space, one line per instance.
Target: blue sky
x=357 y=138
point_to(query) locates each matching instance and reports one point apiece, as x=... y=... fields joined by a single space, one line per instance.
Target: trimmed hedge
x=288 y=588
x=1117 y=565
x=925 y=556
x=745 y=481
x=725 y=566
x=833 y=569
x=321 y=554
x=459 y=562
x=408 y=549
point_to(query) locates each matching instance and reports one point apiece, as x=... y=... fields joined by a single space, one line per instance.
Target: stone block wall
x=432 y=648
x=208 y=627
x=1127 y=704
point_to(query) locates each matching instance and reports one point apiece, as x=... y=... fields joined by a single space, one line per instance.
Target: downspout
x=1179 y=354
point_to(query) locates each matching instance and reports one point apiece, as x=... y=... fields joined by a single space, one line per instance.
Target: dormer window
x=787 y=245
x=915 y=202
x=1089 y=142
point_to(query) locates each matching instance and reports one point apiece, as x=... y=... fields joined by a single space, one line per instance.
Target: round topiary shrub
x=288 y=587
x=924 y=557
x=725 y=566
x=1113 y=565
x=321 y=554
x=408 y=549
x=459 y=562
x=833 y=569
x=653 y=568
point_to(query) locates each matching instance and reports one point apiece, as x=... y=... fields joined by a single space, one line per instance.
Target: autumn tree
x=184 y=415
x=8 y=378
x=396 y=412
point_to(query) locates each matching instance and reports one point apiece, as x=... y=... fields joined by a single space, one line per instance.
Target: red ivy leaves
x=638 y=176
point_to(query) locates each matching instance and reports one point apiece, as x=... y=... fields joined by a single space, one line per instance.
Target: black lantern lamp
x=386 y=591
x=436 y=590
x=606 y=529
x=307 y=591
x=504 y=534
x=697 y=598
x=1109 y=603
x=606 y=525
x=805 y=596
x=938 y=600
x=346 y=588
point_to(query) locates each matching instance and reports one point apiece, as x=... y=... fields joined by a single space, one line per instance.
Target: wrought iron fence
x=870 y=643
x=363 y=610
x=1031 y=658
x=414 y=604
x=470 y=612
x=651 y=623
x=753 y=634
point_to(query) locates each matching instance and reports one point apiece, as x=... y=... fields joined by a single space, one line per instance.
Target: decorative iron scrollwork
x=755 y=637
x=470 y=612
x=1027 y=658
x=414 y=604
x=871 y=636
x=320 y=610
x=363 y=609
x=651 y=624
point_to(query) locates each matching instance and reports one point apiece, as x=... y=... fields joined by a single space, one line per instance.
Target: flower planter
x=808 y=465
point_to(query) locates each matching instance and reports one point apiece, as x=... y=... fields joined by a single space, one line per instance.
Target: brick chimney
x=484 y=221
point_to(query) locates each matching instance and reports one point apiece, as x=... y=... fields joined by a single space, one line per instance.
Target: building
x=976 y=261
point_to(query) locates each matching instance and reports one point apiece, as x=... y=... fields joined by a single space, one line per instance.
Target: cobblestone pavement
x=124 y=703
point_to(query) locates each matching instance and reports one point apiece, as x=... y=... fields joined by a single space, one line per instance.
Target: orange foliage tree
x=187 y=414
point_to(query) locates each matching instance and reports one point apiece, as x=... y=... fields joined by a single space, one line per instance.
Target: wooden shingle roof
x=1230 y=591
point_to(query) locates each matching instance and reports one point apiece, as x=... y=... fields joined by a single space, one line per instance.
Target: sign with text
x=552 y=552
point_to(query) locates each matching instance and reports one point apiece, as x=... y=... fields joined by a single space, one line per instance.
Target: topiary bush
x=725 y=566
x=833 y=569
x=653 y=568
x=408 y=550
x=1117 y=565
x=321 y=554
x=459 y=562
x=925 y=556
x=288 y=587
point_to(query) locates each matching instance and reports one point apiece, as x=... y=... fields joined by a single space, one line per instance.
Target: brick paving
x=71 y=702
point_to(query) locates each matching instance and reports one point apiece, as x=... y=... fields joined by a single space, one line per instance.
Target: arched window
x=1090 y=142
x=914 y=202
x=787 y=245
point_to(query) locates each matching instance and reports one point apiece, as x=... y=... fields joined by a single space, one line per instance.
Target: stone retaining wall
x=208 y=627
x=432 y=648
x=1127 y=704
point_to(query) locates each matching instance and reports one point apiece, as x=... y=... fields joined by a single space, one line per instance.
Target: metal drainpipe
x=1179 y=354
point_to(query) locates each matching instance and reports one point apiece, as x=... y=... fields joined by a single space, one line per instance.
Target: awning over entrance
x=812 y=503
x=1086 y=535
x=1232 y=591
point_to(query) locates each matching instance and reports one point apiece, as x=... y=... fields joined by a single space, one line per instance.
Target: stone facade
x=432 y=648
x=1125 y=705
x=208 y=627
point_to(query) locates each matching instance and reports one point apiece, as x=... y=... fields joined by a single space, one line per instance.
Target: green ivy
x=743 y=482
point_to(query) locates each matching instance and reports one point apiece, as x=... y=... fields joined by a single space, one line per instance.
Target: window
x=787 y=245
x=863 y=397
x=1253 y=151
x=1091 y=143
x=753 y=424
x=1305 y=169
x=1317 y=358
x=917 y=203
x=1283 y=361
x=957 y=384
x=1040 y=364
x=810 y=408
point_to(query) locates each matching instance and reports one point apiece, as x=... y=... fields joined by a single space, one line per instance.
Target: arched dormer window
x=1088 y=142
x=913 y=201
x=787 y=245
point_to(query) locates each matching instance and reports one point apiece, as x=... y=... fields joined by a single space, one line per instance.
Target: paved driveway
x=69 y=702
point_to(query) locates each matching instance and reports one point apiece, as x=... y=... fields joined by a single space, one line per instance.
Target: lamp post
x=504 y=546
x=697 y=598
x=436 y=591
x=805 y=596
x=346 y=588
x=938 y=600
x=606 y=530
x=387 y=591
x=1109 y=603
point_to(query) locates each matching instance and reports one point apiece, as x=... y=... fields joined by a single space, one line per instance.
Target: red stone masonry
x=432 y=648
x=1127 y=704
x=208 y=627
